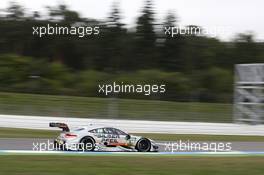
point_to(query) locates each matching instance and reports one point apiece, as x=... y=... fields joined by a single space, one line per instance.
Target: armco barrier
x=135 y=126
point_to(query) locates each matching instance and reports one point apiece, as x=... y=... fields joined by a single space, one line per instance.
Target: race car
x=92 y=138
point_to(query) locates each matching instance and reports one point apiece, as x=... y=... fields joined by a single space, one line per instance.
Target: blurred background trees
x=194 y=68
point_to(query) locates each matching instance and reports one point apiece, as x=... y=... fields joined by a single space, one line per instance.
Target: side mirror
x=128 y=137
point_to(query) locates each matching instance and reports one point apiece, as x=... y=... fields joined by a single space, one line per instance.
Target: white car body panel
x=104 y=139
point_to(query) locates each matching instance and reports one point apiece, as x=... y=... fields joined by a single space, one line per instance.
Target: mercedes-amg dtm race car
x=91 y=138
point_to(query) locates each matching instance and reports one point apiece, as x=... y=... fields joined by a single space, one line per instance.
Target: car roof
x=91 y=127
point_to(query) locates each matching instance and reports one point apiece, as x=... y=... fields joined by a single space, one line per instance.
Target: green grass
x=90 y=107
x=28 y=133
x=130 y=165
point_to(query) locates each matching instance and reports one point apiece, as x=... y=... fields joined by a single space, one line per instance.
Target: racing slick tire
x=87 y=144
x=143 y=145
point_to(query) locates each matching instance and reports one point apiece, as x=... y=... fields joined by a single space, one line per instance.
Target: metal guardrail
x=134 y=126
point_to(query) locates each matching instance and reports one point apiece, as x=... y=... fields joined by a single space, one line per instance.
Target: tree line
x=193 y=67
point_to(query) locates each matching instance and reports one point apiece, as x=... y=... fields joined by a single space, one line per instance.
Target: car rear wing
x=63 y=126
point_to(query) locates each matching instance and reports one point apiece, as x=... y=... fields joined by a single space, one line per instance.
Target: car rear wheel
x=143 y=145
x=87 y=144
x=59 y=146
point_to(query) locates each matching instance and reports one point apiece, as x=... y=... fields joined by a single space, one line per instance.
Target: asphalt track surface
x=164 y=146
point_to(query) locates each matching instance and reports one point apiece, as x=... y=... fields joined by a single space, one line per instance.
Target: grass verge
x=91 y=107
x=139 y=165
